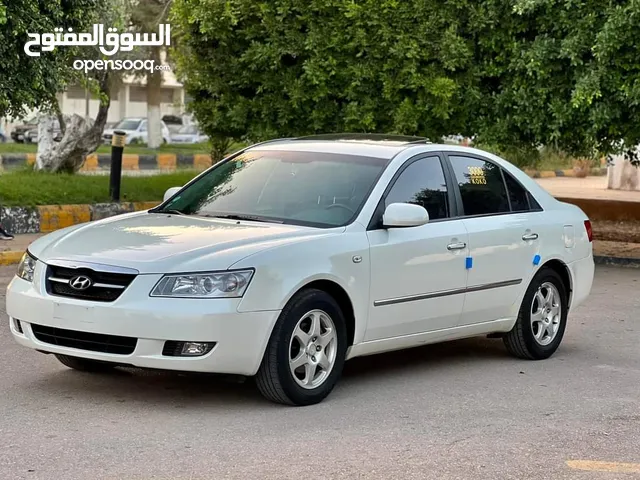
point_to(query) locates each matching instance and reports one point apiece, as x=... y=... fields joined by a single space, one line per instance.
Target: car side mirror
x=170 y=193
x=398 y=215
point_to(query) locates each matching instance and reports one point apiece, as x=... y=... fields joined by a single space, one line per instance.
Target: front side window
x=481 y=186
x=303 y=188
x=422 y=183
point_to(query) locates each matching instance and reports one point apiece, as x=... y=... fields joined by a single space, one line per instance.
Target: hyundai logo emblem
x=80 y=282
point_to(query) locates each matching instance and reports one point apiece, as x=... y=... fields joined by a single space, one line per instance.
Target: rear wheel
x=306 y=352
x=84 y=364
x=542 y=318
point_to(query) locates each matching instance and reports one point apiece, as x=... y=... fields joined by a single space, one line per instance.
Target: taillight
x=587 y=227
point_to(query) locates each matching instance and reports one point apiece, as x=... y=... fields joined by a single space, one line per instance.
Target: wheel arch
x=562 y=269
x=341 y=296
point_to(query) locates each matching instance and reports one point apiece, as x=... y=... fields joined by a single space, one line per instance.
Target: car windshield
x=127 y=125
x=301 y=188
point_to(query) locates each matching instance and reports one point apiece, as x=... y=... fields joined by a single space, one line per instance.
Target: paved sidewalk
x=11 y=250
x=589 y=188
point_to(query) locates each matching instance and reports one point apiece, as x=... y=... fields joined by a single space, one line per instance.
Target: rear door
x=505 y=228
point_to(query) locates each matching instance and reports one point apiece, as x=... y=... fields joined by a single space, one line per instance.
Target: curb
x=597 y=172
x=617 y=261
x=10 y=257
x=130 y=161
x=47 y=218
x=609 y=210
x=199 y=161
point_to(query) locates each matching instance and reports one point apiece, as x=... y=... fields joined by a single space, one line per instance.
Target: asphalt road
x=463 y=410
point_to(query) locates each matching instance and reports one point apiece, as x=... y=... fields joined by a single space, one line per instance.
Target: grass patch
x=188 y=149
x=551 y=159
x=29 y=188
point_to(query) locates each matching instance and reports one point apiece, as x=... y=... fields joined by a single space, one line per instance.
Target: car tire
x=84 y=364
x=278 y=378
x=541 y=323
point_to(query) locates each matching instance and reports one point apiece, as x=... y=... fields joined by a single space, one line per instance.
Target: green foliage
x=291 y=67
x=517 y=74
x=29 y=82
x=26 y=187
x=558 y=73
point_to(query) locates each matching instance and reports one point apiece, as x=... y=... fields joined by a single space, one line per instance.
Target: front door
x=418 y=274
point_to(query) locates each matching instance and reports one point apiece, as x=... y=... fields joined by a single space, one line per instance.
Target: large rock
x=621 y=175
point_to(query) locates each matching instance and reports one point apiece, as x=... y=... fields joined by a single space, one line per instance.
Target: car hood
x=161 y=243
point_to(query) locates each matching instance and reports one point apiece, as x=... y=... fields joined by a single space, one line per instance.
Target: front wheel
x=306 y=352
x=542 y=318
x=84 y=364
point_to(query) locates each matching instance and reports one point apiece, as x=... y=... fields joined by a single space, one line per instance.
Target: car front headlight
x=225 y=284
x=26 y=267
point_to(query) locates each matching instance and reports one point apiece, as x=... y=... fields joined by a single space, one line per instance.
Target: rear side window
x=481 y=186
x=517 y=194
x=422 y=183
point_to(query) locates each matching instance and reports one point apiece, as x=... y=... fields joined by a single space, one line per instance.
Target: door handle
x=530 y=236
x=456 y=246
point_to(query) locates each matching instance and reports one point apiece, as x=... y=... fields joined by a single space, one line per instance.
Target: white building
x=129 y=101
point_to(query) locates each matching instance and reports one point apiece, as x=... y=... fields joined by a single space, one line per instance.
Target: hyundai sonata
x=292 y=256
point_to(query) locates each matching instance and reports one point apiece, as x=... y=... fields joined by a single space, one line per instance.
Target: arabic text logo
x=109 y=44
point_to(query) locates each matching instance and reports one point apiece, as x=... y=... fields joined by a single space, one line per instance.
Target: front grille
x=95 y=342
x=106 y=286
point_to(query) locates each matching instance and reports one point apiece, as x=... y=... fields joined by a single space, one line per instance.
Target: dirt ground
x=616 y=239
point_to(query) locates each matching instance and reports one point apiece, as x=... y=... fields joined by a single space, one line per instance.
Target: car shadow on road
x=428 y=357
x=169 y=390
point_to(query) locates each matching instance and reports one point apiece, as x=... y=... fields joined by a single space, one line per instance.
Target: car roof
x=370 y=144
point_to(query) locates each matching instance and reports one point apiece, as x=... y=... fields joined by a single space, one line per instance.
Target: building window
x=166 y=95
x=137 y=94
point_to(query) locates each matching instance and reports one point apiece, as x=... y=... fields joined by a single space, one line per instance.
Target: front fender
x=280 y=272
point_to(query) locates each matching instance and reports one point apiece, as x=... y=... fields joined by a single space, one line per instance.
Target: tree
x=146 y=16
x=516 y=74
x=81 y=135
x=30 y=82
x=260 y=70
x=556 y=73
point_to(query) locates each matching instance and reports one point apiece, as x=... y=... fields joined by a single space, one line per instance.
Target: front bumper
x=240 y=338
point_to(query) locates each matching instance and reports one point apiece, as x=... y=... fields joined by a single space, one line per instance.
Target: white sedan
x=292 y=256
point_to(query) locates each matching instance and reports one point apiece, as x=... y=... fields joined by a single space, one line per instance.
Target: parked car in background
x=189 y=134
x=17 y=134
x=292 y=256
x=31 y=136
x=174 y=123
x=136 y=130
